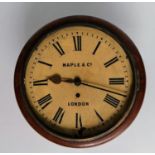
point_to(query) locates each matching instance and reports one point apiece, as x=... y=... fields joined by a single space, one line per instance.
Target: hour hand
x=56 y=78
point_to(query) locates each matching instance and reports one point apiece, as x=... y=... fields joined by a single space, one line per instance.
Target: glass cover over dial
x=78 y=81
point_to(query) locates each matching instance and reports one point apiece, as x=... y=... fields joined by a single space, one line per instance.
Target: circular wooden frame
x=124 y=41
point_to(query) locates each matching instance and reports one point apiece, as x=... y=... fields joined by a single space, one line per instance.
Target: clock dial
x=78 y=81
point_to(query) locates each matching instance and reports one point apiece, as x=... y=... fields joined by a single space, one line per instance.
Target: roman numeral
x=77 y=43
x=58 y=47
x=97 y=46
x=110 y=62
x=45 y=63
x=111 y=100
x=59 y=115
x=116 y=81
x=40 y=82
x=78 y=121
x=99 y=116
x=45 y=101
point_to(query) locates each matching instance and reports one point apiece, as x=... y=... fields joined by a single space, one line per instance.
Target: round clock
x=79 y=81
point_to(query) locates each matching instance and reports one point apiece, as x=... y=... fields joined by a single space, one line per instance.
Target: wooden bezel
x=124 y=41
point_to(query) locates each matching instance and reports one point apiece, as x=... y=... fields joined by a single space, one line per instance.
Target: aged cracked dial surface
x=78 y=80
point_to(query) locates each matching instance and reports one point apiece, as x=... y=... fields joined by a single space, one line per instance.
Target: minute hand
x=89 y=85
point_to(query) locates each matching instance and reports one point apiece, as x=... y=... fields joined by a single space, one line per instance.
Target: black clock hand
x=89 y=85
x=56 y=78
x=77 y=81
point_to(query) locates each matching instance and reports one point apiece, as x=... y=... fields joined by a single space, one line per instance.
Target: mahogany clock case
x=124 y=41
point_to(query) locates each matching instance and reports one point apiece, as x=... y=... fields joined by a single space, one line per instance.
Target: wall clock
x=79 y=81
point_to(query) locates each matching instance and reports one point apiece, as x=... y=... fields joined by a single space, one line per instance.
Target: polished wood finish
x=122 y=38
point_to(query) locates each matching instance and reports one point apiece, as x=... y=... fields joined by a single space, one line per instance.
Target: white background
x=18 y=21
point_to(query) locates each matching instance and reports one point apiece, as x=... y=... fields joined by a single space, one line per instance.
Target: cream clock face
x=78 y=81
